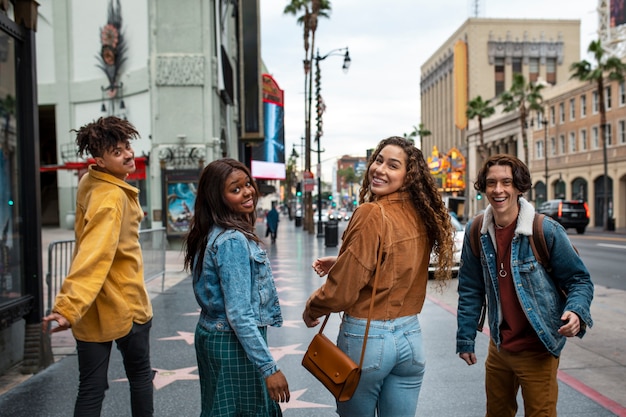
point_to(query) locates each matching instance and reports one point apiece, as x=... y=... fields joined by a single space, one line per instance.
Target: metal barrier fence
x=60 y=253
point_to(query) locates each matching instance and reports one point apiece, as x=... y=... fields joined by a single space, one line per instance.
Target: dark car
x=571 y=214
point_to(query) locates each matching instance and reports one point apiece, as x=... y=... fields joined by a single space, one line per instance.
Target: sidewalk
x=591 y=381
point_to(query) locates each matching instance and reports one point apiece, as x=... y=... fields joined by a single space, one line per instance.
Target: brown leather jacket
x=404 y=270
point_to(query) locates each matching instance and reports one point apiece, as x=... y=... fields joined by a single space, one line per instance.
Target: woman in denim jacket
x=529 y=314
x=233 y=284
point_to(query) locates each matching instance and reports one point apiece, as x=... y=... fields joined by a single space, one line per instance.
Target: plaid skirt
x=230 y=385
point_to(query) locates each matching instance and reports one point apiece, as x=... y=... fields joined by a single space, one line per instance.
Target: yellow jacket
x=404 y=271
x=104 y=292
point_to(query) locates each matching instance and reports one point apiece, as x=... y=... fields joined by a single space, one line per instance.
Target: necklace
x=502 y=273
x=503 y=252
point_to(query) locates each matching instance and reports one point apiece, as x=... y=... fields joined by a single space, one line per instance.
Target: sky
x=388 y=41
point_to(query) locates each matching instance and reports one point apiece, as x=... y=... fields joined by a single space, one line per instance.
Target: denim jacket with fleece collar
x=537 y=291
x=236 y=292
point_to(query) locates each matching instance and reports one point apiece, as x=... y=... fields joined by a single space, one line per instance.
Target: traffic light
x=298 y=189
x=479 y=196
x=330 y=197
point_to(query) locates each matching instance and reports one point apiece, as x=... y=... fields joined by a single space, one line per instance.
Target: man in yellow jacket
x=104 y=298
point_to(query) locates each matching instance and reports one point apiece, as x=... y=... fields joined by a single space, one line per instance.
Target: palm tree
x=523 y=98
x=614 y=69
x=480 y=109
x=312 y=10
x=418 y=131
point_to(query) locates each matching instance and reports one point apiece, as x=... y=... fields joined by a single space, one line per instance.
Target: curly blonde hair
x=426 y=199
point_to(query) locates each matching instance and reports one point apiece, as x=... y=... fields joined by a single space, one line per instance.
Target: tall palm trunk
x=308 y=221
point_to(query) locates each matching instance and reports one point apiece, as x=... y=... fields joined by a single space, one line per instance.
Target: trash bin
x=298 y=221
x=611 y=224
x=331 y=234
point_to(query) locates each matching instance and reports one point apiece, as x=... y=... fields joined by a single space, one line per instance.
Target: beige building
x=574 y=167
x=479 y=59
x=565 y=148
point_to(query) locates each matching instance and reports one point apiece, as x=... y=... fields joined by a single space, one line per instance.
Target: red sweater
x=516 y=332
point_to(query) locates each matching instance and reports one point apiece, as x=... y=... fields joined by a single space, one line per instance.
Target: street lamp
x=320 y=110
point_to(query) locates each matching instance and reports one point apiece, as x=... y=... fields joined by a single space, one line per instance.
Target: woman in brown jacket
x=402 y=214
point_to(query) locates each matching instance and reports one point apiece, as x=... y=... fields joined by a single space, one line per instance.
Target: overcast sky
x=388 y=43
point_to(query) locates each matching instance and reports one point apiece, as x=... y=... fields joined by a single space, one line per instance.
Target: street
x=590 y=378
x=604 y=255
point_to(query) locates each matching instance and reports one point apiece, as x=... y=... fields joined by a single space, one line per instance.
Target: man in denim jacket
x=530 y=311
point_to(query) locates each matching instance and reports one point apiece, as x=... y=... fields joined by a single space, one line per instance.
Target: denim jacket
x=236 y=292
x=540 y=294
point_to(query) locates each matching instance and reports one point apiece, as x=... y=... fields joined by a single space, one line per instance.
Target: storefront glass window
x=11 y=283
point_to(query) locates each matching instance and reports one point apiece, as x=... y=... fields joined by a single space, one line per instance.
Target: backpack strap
x=475 y=234
x=538 y=243
x=475 y=245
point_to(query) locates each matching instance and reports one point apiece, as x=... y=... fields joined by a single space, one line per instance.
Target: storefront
x=21 y=281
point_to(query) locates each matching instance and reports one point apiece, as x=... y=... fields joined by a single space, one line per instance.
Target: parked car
x=459 y=233
x=334 y=214
x=345 y=214
x=571 y=214
x=325 y=216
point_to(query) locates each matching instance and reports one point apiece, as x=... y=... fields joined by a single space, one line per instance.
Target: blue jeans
x=93 y=365
x=393 y=366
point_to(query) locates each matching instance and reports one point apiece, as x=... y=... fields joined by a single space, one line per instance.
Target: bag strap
x=538 y=242
x=376 y=274
x=475 y=234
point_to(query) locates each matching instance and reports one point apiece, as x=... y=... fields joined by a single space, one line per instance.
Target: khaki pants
x=534 y=372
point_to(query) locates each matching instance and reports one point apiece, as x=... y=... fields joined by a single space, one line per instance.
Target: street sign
x=309 y=181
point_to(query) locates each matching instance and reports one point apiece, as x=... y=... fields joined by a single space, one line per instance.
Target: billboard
x=618 y=13
x=268 y=157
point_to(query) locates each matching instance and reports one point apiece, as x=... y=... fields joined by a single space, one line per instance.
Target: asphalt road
x=604 y=254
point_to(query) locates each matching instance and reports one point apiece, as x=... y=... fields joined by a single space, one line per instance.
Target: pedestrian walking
x=233 y=284
x=532 y=308
x=272 y=220
x=104 y=298
x=401 y=214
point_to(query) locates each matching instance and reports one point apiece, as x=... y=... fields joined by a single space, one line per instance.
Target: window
x=622 y=94
x=539 y=149
x=551 y=70
x=562 y=144
x=622 y=132
x=572 y=142
x=607 y=97
x=12 y=284
x=608 y=134
x=595 y=137
x=516 y=65
x=583 y=140
x=594 y=103
x=533 y=70
x=583 y=105
x=552 y=146
x=499 y=75
x=572 y=109
x=561 y=112
x=552 y=116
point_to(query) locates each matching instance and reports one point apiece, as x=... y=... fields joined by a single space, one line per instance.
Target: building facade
x=349 y=186
x=21 y=306
x=479 y=59
x=568 y=149
x=187 y=76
